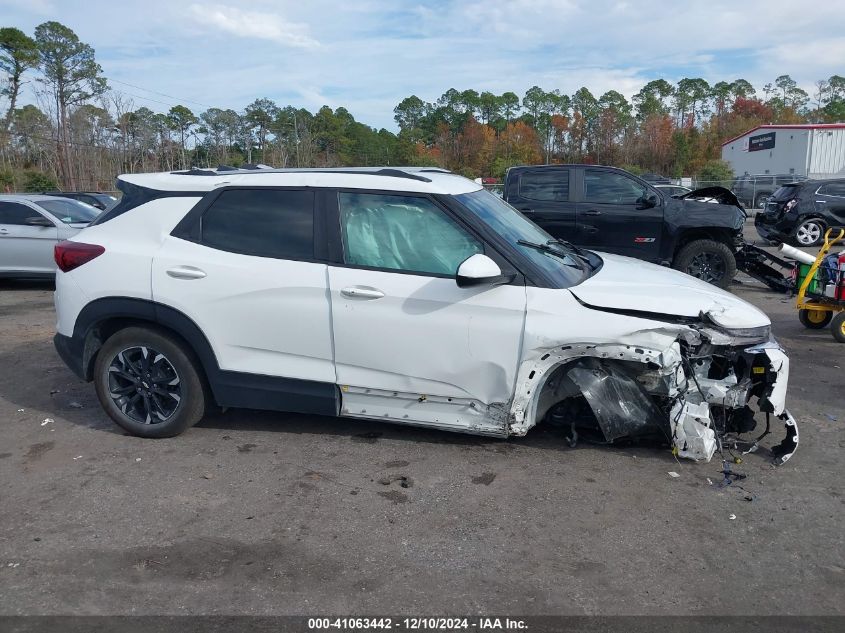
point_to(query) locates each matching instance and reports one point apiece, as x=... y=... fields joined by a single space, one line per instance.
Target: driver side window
x=604 y=187
x=404 y=233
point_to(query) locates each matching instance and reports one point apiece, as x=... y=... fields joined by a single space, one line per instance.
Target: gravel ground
x=268 y=513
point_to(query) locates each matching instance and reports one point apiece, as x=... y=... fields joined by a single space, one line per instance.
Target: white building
x=812 y=150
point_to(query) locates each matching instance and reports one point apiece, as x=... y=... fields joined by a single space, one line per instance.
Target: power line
x=162 y=94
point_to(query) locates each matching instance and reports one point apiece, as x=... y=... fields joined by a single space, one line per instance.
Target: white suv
x=405 y=295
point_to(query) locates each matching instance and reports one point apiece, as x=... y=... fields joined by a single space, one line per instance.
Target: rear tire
x=809 y=232
x=149 y=383
x=837 y=327
x=814 y=319
x=708 y=260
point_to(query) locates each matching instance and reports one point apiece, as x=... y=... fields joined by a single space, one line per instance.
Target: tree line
x=81 y=132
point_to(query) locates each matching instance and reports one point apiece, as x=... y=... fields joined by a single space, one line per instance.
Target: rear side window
x=15 y=213
x=551 y=185
x=264 y=223
x=835 y=189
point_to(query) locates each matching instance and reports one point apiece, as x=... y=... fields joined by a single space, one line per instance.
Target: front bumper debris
x=697 y=392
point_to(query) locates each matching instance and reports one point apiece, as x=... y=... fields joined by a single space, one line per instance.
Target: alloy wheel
x=709 y=267
x=808 y=233
x=144 y=385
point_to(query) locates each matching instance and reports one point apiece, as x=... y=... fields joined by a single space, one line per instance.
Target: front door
x=410 y=345
x=613 y=215
x=25 y=248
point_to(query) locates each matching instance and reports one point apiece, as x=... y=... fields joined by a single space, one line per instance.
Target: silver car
x=31 y=225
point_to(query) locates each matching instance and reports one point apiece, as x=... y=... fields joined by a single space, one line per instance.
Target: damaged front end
x=696 y=385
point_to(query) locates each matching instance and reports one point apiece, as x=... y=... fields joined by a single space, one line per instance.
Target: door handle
x=186 y=272
x=4 y=232
x=590 y=229
x=362 y=292
x=592 y=212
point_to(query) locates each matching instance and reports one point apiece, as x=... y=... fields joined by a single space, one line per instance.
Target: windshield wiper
x=576 y=249
x=547 y=248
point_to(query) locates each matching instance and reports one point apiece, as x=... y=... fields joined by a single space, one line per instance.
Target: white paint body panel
x=260 y=315
x=427 y=335
x=124 y=269
x=631 y=284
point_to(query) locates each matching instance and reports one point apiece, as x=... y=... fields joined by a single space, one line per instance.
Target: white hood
x=624 y=283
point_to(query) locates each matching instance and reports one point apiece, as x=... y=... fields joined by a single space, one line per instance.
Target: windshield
x=69 y=211
x=563 y=264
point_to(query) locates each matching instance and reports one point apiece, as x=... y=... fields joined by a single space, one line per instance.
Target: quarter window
x=550 y=185
x=836 y=189
x=404 y=233
x=611 y=188
x=264 y=223
x=15 y=213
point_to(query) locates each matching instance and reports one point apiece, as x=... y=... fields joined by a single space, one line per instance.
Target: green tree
x=690 y=99
x=36 y=181
x=180 y=119
x=18 y=53
x=715 y=171
x=651 y=99
x=261 y=114
x=72 y=76
x=409 y=115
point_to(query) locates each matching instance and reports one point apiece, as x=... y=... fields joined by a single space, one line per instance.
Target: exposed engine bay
x=699 y=392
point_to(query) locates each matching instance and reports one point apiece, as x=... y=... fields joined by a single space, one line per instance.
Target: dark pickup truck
x=609 y=209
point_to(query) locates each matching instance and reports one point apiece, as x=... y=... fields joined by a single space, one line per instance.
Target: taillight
x=70 y=255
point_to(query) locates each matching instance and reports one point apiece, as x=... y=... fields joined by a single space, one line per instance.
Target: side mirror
x=479 y=270
x=648 y=201
x=39 y=220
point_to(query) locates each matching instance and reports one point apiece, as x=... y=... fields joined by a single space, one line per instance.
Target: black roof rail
x=226 y=168
x=194 y=171
x=386 y=171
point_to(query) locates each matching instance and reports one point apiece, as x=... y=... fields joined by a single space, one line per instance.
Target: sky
x=368 y=55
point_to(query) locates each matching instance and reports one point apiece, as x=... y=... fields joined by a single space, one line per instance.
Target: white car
x=30 y=227
x=404 y=295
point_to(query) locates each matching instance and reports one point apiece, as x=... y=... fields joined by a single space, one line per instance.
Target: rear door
x=545 y=196
x=614 y=215
x=250 y=271
x=25 y=248
x=833 y=196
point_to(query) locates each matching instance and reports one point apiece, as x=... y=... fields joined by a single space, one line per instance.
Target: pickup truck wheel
x=809 y=232
x=708 y=260
x=149 y=383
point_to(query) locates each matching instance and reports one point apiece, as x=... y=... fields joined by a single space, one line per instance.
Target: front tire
x=708 y=260
x=149 y=383
x=809 y=232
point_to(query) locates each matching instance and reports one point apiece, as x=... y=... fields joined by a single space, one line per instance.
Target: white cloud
x=373 y=53
x=254 y=24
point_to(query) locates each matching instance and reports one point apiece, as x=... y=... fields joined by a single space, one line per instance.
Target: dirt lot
x=267 y=513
